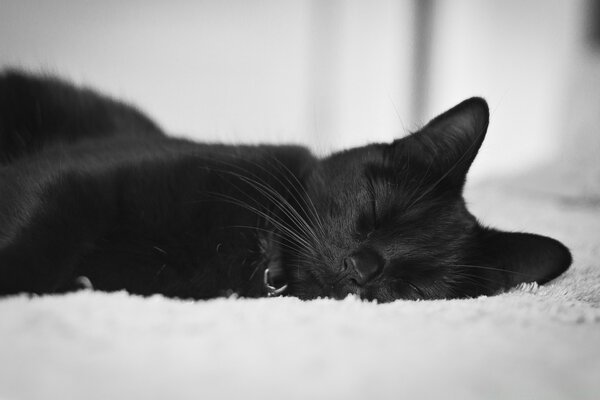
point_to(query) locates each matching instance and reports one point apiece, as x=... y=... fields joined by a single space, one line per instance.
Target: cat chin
x=350 y=290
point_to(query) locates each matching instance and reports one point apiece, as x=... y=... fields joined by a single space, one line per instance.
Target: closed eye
x=365 y=226
x=368 y=220
x=373 y=201
x=374 y=212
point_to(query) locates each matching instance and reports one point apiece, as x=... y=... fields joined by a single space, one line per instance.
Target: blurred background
x=337 y=73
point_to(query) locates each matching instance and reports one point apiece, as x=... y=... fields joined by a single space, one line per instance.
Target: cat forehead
x=345 y=160
x=376 y=163
x=402 y=188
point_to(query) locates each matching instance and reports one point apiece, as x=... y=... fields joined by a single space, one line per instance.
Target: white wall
x=361 y=71
x=329 y=74
x=326 y=74
x=518 y=55
x=226 y=70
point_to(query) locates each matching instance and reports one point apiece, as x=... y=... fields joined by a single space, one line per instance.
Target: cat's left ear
x=524 y=257
x=449 y=143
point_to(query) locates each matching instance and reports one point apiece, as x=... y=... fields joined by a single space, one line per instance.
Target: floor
x=532 y=342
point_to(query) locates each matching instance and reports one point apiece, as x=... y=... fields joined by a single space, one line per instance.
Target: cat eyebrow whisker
x=473 y=279
x=421 y=181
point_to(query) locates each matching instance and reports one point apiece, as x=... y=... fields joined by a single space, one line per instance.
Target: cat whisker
x=304 y=196
x=492 y=269
x=263 y=183
x=474 y=277
x=281 y=205
x=284 y=207
x=279 y=224
x=294 y=249
x=278 y=200
x=461 y=278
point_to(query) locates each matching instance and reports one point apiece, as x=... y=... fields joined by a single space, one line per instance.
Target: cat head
x=388 y=221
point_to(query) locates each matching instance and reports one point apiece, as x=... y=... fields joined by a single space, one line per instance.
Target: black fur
x=92 y=187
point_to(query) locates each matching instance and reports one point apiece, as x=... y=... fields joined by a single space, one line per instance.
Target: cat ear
x=449 y=143
x=525 y=257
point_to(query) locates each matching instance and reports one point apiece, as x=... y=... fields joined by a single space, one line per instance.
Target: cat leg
x=44 y=234
x=37 y=111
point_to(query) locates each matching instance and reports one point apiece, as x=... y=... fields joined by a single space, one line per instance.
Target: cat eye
x=374 y=212
x=367 y=222
x=373 y=224
x=373 y=208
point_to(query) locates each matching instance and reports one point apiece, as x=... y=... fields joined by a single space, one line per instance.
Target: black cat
x=92 y=187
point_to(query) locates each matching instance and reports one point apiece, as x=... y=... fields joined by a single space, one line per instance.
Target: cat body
x=91 y=187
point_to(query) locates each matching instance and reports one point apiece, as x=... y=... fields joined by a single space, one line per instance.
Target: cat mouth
x=360 y=292
x=351 y=288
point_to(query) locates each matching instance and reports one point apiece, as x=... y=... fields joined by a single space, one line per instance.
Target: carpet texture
x=534 y=342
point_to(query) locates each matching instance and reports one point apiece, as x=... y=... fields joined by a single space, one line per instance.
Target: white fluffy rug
x=531 y=343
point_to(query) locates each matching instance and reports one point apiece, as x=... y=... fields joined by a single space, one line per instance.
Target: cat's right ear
x=524 y=257
x=448 y=144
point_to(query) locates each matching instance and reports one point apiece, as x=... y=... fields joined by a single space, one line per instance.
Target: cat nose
x=363 y=266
